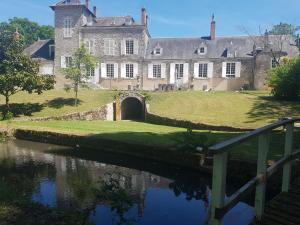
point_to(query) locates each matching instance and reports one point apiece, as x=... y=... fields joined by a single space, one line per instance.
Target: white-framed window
x=203 y=70
x=201 y=50
x=68 y=61
x=109 y=47
x=91 y=72
x=230 y=69
x=67 y=27
x=179 y=68
x=157 y=51
x=89 y=45
x=51 y=51
x=129 y=70
x=156 y=71
x=129 y=47
x=110 y=70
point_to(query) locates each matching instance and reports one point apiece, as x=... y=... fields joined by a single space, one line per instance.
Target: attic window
x=128 y=21
x=201 y=50
x=157 y=51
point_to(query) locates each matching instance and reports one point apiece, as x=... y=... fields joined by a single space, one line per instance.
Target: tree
x=19 y=72
x=285 y=79
x=29 y=30
x=78 y=70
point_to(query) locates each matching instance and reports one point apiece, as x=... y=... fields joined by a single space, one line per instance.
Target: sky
x=176 y=18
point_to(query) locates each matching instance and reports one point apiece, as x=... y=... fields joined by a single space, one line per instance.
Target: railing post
x=218 y=185
x=263 y=148
x=288 y=150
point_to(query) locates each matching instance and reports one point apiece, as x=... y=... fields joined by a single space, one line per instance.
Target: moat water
x=112 y=189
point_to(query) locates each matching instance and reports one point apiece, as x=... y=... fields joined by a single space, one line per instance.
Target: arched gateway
x=130 y=106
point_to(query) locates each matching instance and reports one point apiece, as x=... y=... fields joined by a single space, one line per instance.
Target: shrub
x=285 y=80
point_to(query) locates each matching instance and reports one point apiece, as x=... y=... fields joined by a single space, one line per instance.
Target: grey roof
x=185 y=48
x=71 y=2
x=40 y=49
x=114 y=21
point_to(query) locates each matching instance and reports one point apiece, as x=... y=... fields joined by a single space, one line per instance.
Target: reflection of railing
x=221 y=151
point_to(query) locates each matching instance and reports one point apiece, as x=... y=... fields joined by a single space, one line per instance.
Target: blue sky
x=176 y=18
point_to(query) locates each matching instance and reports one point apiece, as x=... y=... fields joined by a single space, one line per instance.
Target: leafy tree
x=19 y=72
x=29 y=30
x=285 y=79
x=78 y=69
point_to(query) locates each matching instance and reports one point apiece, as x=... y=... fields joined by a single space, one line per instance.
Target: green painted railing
x=220 y=159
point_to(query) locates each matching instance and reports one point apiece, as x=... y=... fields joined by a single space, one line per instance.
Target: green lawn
x=57 y=102
x=154 y=135
x=243 y=110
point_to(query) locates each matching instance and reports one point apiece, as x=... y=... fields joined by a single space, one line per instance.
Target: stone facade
x=129 y=58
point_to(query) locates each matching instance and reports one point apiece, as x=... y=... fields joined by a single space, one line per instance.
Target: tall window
x=230 y=69
x=203 y=69
x=109 y=47
x=156 y=71
x=68 y=62
x=129 y=47
x=110 y=70
x=129 y=70
x=91 y=72
x=67 y=28
x=89 y=45
x=179 y=71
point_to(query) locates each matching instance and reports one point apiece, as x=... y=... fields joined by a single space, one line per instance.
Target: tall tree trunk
x=7 y=102
x=76 y=95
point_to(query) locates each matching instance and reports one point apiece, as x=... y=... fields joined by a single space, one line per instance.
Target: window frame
x=68 y=61
x=109 y=45
x=157 y=71
x=179 y=70
x=230 y=69
x=110 y=70
x=129 y=70
x=67 y=27
x=203 y=70
x=129 y=47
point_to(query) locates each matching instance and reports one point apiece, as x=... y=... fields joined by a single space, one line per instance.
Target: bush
x=285 y=80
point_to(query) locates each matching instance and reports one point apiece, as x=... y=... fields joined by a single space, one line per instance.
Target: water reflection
x=106 y=192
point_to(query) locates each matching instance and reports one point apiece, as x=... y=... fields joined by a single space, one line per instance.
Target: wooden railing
x=220 y=154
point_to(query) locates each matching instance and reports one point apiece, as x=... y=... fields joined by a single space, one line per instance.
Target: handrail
x=223 y=146
x=220 y=154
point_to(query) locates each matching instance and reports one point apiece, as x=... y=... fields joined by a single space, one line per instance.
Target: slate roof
x=114 y=21
x=72 y=2
x=40 y=49
x=185 y=48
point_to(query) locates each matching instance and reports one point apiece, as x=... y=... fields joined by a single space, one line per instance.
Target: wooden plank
x=288 y=149
x=221 y=147
x=260 y=194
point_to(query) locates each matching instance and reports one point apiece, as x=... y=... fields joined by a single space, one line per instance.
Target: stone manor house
x=129 y=58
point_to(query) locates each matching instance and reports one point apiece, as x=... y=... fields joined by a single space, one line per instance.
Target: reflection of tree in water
x=114 y=190
x=192 y=189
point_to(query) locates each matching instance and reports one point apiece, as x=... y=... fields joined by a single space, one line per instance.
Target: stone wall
x=103 y=113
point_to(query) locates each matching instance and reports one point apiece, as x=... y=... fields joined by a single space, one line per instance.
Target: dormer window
x=157 y=51
x=128 y=21
x=201 y=50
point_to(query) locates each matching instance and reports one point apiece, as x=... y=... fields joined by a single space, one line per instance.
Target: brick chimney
x=95 y=11
x=213 y=28
x=87 y=3
x=144 y=17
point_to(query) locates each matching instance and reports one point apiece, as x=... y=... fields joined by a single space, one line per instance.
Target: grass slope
x=244 y=110
x=56 y=102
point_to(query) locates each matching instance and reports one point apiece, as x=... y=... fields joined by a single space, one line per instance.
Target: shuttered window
x=68 y=61
x=230 y=69
x=179 y=71
x=156 y=71
x=129 y=70
x=203 y=69
x=110 y=70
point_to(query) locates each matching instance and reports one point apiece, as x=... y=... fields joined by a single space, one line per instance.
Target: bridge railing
x=220 y=159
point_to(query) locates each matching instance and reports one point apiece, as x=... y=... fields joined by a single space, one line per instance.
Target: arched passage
x=132 y=109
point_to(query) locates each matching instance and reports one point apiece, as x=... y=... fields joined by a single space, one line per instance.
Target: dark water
x=112 y=189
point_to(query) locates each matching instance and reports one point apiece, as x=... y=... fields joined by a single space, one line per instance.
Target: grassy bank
x=154 y=135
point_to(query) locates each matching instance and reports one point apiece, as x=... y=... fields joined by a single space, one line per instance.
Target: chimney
x=144 y=17
x=87 y=3
x=95 y=11
x=213 y=28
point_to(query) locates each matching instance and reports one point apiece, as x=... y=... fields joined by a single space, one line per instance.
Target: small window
x=129 y=70
x=129 y=47
x=201 y=51
x=156 y=71
x=203 y=68
x=157 y=51
x=68 y=62
x=110 y=70
x=230 y=69
x=67 y=27
x=179 y=71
